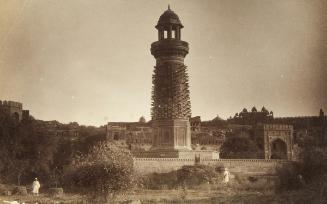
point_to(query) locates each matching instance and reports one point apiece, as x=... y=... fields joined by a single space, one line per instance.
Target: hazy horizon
x=90 y=61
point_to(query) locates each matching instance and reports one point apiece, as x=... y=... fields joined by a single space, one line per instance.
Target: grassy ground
x=44 y=198
x=205 y=196
x=226 y=197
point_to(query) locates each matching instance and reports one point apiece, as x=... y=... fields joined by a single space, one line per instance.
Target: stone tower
x=14 y=109
x=171 y=107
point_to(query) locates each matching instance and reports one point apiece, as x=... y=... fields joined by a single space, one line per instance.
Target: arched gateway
x=278 y=140
x=278 y=149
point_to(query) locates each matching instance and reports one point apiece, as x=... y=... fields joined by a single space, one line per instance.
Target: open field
x=205 y=196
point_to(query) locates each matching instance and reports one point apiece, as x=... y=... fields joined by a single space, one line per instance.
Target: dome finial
x=168 y=7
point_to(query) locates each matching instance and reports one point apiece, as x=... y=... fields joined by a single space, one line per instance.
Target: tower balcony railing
x=169 y=47
x=170 y=42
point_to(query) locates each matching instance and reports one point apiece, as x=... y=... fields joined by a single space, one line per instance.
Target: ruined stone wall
x=244 y=166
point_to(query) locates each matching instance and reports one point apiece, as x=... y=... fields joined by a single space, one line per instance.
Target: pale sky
x=90 y=62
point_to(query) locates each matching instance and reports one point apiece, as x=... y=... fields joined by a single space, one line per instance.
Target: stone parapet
x=276 y=127
x=12 y=104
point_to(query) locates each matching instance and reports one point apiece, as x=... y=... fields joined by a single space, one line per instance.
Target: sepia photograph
x=154 y=101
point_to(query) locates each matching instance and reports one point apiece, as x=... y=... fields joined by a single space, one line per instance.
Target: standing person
x=226 y=176
x=35 y=187
x=301 y=180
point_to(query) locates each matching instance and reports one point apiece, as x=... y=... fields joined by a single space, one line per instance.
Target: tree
x=26 y=150
x=313 y=162
x=239 y=146
x=88 y=137
x=106 y=170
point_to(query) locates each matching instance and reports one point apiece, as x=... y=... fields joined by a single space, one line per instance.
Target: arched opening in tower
x=15 y=116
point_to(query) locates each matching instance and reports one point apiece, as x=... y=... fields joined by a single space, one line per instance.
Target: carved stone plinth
x=172 y=134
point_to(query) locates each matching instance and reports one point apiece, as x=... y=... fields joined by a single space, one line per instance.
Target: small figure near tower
x=321 y=113
x=226 y=175
x=35 y=187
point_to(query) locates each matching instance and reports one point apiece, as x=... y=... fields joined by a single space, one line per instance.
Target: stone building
x=252 y=117
x=195 y=123
x=137 y=133
x=72 y=134
x=116 y=131
x=208 y=137
x=278 y=140
x=140 y=136
x=303 y=126
x=14 y=109
x=142 y=120
x=302 y=122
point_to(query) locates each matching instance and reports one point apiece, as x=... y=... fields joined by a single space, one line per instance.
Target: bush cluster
x=26 y=151
x=187 y=176
x=106 y=169
x=240 y=146
x=308 y=171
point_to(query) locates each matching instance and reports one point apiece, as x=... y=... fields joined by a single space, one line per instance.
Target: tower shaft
x=171 y=107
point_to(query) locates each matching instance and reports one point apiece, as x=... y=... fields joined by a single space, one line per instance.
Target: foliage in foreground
x=187 y=176
x=25 y=150
x=308 y=175
x=34 y=148
x=106 y=169
x=240 y=145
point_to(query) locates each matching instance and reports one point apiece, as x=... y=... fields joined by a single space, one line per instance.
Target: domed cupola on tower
x=169 y=36
x=169 y=25
x=168 y=17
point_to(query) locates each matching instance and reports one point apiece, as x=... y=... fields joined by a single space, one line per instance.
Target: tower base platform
x=177 y=153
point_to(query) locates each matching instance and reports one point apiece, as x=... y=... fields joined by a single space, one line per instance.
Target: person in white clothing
x=226 y=176
x=35 y=187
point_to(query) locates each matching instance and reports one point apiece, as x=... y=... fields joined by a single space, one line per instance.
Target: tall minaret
x=171 y=107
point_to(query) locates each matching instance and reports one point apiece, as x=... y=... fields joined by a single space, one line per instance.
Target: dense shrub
x=106 y=169
x=157 y=181
x=196 y=175
x=187 y=176
x=29 y=148
x=288 y=177
x=253 y=182
x=26 y=150
x=240 y=146
x=309 y=171
x=313 y=163
x=55 y=192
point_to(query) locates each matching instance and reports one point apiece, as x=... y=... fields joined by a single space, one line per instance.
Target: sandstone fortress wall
x=145 y=166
